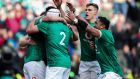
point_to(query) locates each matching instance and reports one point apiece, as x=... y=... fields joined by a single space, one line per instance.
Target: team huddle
x=48 y=38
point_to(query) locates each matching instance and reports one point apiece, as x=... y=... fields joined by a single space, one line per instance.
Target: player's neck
x=92 y=20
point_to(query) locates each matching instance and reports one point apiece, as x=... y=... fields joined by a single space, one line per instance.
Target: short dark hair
x=105 y=21
x=93 y=4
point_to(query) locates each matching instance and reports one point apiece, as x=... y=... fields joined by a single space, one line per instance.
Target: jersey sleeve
x=37 y=21
x=103 y=34
x=107 y=36
x=100 y=34
x=42 y=27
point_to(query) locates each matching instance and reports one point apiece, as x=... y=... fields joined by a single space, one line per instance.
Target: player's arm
x=86 y=26
x=31 y=29
x=79 y=21
x=75 y=33
x=58 y=4
x=23 y=42
x=71 y=14
x=95 y=32
x=63 y=14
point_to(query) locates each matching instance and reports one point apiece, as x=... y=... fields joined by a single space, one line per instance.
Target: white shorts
x=109 y=75
x=34 y=70
x=89 y=70
x=57 y=73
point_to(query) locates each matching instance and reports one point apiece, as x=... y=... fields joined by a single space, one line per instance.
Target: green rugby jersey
x=107 y=54
x=33 y=53
x=57 y=36
x=36 y=52
x=87 y=53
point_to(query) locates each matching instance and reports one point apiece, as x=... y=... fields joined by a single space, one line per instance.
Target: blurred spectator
x=135 y=64
x=2 y=16
x=37 y=6
x=1 y=3
x=3 y=36
x=121 y=59
x=120 y=9
x=19 y=12
x=127 y=54
x=106 y=9
x=120 y=6
x=8 y=6
x=132 y=3
x=11 y=41
x=11 y=21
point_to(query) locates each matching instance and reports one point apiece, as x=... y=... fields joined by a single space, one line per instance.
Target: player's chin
x=87 y=18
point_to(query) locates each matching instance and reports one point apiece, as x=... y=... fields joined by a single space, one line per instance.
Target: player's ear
x=102 y=26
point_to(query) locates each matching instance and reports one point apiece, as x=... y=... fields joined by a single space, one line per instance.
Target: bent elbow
x=28 y=31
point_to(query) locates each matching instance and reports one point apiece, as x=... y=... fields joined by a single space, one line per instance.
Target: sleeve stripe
x=100 y=34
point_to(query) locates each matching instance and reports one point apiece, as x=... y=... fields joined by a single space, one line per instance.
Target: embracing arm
x=85 y=25
x=75 y=33
x=64 y=15
x=32 y=28
x=81 y=22
x=23 y=42
x=95 y=32
x=58 y=4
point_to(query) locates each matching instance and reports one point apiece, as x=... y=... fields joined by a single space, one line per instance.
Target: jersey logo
x=88 y=36
x=63 y=39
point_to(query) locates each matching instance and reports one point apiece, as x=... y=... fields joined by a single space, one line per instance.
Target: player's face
x=99 y=25
x=91 y=12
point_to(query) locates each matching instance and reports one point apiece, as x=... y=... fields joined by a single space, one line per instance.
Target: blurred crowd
x=15 y=15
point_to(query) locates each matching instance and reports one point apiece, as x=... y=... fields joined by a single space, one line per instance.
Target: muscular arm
x=95 y=32
x=64 y=16
x=23 y=42
x=58 y=5
x=82 y=22
x=31 y=29
x=85 y=25
x=75 y=33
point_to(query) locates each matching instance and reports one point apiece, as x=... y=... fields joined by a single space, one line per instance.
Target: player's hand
x=24 y=41
x=71 y=15
x=71 y=7
x=58 y=3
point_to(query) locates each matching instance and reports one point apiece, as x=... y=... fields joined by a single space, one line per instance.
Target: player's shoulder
x=105 y=31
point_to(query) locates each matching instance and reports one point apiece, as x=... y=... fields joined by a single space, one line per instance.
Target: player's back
x=57 y=39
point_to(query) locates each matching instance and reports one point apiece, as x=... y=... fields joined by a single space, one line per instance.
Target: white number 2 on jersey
x=62 y=40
